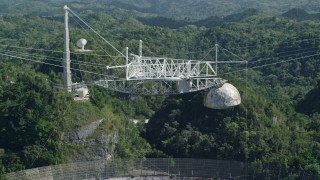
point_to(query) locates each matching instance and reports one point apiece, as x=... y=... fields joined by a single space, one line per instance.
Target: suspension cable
x=270 y=64
x=54 y=60
x=55 y=51
x=40 y=62
x=96 y=32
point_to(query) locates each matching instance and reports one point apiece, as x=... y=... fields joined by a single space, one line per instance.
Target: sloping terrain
x=265 y=128
x=193 y=9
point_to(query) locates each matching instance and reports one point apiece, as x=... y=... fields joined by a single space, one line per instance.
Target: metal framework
x=163 y=76
x=160 y=87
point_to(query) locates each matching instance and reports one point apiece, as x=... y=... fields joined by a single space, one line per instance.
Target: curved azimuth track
x=157 y=76
x=159 y=87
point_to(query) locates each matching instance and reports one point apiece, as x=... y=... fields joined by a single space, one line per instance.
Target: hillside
x=42 y=125
x=207 y=22
x=173 y=9
x=266 y=128
x=301 y=14
x=206 y=8
x=310 y=105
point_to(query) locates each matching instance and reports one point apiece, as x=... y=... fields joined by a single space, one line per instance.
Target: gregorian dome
x=224 y=97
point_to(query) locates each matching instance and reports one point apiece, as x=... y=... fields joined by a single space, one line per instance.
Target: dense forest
x=277 y=123
x=180 y=9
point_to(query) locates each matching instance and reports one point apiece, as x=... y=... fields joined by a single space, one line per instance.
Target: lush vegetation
x=266 y=127
x=181 y=9
x=278 y=121
x=301 y=14
x=34 y=114
x=207 y=8
x=31 y=112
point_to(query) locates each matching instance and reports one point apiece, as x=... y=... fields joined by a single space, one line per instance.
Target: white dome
x=222 y=98
x=81 y=43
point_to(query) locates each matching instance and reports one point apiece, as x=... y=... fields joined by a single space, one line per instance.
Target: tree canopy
x=277 y=122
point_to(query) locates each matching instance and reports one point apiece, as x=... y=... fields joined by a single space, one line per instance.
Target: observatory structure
x=66 y=55
x=81 y=43
x=144 y=75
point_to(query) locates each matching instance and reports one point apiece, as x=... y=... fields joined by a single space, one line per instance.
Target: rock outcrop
x=87 y=148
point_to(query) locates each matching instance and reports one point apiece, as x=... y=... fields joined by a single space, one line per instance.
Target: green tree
x=31 y=113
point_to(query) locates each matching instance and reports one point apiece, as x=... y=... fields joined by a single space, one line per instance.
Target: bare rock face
x=224 y=97
x=89 y=148
x=80 y=134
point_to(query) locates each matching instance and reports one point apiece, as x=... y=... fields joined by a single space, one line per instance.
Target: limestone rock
x=101 y=146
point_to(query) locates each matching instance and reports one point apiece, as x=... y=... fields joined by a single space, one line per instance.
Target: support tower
x=66 y=54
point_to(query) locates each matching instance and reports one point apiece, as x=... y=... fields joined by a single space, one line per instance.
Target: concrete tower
x=66 y=55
